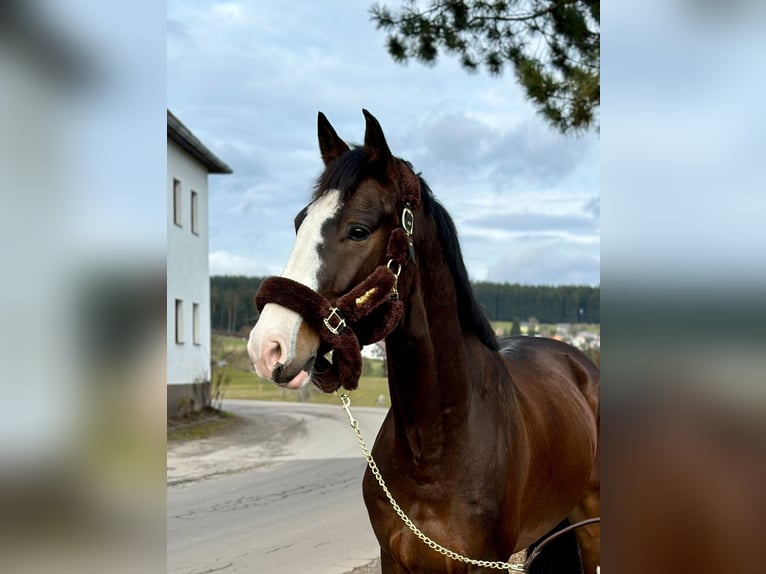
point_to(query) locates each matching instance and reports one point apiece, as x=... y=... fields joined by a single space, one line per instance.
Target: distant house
x=375 y=351
x=188 y=281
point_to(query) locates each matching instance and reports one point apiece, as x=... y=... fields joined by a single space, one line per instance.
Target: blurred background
x=683 y=276
x=82 y=320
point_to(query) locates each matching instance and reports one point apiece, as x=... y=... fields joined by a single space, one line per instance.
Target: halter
x=364 y=315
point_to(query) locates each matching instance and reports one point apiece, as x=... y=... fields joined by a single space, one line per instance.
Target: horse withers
x=488 y=445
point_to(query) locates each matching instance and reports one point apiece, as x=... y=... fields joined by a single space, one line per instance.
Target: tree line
x=232 y=302
x=561 y=304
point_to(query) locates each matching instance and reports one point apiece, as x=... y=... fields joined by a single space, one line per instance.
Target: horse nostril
x=276 y=374
x=272 y=352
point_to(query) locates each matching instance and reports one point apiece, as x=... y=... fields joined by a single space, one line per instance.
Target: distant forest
x=232 y=300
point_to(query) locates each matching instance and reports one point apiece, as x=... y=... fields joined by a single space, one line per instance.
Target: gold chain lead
x=346 y=402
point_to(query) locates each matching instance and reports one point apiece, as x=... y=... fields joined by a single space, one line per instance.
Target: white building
x=188 y=281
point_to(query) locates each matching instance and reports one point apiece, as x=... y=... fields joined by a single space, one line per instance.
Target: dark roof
x=180 y=134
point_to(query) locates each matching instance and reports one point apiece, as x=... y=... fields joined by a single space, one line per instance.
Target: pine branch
x=552 y=45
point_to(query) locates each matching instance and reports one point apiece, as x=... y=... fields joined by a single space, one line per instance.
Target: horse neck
x=428 y=369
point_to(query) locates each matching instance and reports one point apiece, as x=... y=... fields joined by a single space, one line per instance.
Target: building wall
x=188 y=363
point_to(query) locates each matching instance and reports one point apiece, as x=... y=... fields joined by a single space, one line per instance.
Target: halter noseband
x=364 y=315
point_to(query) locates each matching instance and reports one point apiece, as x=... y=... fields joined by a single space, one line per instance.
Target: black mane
x=348 y=171
x=471 y=316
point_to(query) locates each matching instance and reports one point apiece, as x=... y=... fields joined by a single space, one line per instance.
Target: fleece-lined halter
x=364 y=315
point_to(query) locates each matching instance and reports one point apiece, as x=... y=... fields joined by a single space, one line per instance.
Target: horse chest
x=452 y=516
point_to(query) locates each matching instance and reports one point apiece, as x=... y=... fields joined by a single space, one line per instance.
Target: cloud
x=227 y=10
x=249 y=83
x=454 y=141
x=525 y=222
x=593 y=206
x=176 y=29
x=529 y=155
x=226 y=263
x=517 y=154
x=548 y=261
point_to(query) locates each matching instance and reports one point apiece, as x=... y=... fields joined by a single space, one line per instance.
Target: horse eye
x=358 y=233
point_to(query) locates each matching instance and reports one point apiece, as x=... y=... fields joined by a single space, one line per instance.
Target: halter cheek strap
x=411 y=195
x=364 y=315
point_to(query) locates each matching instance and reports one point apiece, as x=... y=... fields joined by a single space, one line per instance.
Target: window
x=177 y=217
x=195 y=323
x=195 y=212
x=179 y=321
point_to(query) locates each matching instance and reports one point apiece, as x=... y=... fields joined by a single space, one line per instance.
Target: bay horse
x=488 y=445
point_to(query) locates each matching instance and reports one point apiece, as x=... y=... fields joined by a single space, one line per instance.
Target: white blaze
x=303 y=265
x=277 y=323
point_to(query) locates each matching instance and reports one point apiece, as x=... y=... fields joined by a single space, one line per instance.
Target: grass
x=231 y=350
x=235 y=368
x=229 y=343
x=200 y=425
x=244 y=385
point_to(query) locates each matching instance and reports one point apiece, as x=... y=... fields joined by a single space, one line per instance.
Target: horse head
x=342 y=236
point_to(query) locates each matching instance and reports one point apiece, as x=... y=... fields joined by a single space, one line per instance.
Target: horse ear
x=375 y=145
x=330 y=145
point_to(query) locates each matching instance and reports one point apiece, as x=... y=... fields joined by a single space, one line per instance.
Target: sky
x=248 y=78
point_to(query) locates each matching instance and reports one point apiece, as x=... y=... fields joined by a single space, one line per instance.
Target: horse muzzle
x=283 y=347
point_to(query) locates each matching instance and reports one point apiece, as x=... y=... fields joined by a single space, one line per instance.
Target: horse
x=489 y=445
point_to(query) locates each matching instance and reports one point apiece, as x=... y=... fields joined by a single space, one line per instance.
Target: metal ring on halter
x=398 y=267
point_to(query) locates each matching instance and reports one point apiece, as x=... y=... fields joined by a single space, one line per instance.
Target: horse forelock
x=344 y=174
x=348 y=171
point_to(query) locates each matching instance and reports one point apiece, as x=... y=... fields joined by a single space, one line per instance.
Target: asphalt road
x=281 y=494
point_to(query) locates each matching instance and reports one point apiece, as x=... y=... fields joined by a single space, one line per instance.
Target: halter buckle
x=335 y=315
x=394 y=295
x=408 y=220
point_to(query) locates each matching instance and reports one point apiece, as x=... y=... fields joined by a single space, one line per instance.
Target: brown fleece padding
x=410 y=186
x=397 y=246
x=314 y=308
x=358 y=303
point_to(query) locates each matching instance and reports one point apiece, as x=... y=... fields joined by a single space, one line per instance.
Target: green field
x=239 y=382
x=200 y=425
x=250 y=386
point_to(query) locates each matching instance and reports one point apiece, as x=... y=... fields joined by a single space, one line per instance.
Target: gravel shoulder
x=250 y=442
